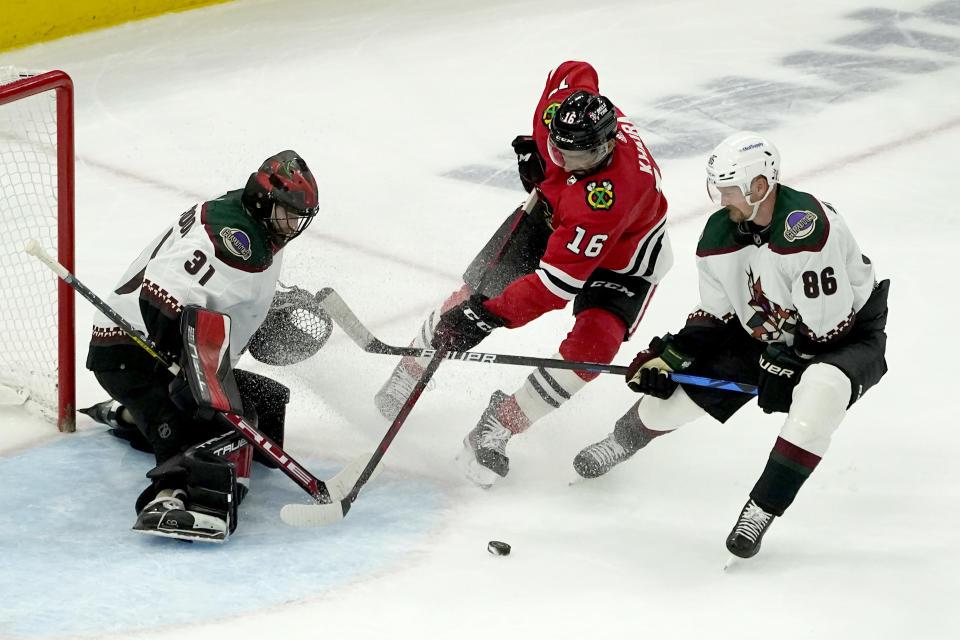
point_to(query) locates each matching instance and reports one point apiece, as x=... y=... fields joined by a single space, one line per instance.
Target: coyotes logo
x=769 y=321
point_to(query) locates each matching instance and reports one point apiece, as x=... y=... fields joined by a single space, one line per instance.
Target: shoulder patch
x=237 y=242
x=547 y=116
x=600 y=194
x=799 y=225
x=237 y=239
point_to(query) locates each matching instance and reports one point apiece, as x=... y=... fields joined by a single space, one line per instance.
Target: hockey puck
x=498 y=548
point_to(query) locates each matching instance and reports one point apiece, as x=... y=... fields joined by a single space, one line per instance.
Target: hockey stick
x=313 y=515
x=293 y=469
x=331 y=301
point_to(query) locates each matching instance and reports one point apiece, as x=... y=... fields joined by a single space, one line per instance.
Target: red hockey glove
x=464 y=326
x=649 y=371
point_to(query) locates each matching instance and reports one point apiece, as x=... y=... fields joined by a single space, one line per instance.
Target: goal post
x=37 y=351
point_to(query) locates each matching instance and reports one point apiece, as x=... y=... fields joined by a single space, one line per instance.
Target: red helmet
x=283 y=180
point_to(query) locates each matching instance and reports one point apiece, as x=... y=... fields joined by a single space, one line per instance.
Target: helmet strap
x=756 y=205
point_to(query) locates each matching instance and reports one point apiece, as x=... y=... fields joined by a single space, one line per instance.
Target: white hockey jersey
x=803 y=275
x=215 y=256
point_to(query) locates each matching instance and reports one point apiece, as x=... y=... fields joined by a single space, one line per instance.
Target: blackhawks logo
x=600 y=196
x=548 y=113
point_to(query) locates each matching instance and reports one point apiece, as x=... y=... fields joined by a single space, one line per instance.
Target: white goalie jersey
x=215 y=256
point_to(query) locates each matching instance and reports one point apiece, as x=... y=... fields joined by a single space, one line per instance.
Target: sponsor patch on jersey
x=600 y=195
x=237 y=242
x=799 y=225
x=548 y=113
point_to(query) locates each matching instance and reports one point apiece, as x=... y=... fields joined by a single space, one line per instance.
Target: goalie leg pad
x=207 y=475
x=265 y=404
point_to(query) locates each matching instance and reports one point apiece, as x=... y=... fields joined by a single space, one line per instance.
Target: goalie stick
x=316 y=488
x=313 y=515
x=331 y=301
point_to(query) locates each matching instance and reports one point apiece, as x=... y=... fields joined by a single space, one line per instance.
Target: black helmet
x=582 y=124
x=285 y=180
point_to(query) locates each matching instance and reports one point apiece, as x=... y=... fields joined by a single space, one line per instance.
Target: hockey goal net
x=36 y=201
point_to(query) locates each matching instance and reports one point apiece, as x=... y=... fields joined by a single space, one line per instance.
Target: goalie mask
x=283 y=195
x=296 y=327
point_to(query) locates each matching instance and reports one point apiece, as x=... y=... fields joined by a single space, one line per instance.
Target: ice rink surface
x=405 y=112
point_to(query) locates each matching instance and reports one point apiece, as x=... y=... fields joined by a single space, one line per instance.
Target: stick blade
x=342 y=483
x=319 y=515
x=312 y=515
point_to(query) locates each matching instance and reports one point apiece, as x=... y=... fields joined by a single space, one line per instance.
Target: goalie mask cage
x=36 y=201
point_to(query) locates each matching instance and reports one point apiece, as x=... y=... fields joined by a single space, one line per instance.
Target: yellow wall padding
x=24 y=22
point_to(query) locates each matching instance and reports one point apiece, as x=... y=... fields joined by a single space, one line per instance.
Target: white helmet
x=739 y=159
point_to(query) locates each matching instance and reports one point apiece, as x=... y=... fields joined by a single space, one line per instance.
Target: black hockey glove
x=530 y=163
x=649 y=371
x=780 y=371
x=464 y=326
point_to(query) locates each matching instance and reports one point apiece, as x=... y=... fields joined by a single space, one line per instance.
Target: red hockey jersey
x=614 y=219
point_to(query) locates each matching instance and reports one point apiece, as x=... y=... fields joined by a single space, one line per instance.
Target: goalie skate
x=167 y=516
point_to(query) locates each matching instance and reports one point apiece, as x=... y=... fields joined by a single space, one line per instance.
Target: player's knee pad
x=819 y=405
x=668 y=414
x=624 y=296
x=596 y=337
x=266 y=399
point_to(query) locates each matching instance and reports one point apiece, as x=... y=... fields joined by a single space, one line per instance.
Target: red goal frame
x=61 y=83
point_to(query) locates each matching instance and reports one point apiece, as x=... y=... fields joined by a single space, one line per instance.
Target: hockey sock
x=543 y=391
x=787 y=469
x=630 y=429
x=596 y=337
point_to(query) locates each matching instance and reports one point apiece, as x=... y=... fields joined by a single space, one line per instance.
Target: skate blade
x=473 y=470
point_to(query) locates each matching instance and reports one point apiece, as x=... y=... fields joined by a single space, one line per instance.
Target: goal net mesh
x=28 y=209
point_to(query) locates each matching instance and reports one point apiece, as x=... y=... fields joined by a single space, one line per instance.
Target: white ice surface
x=386 y=100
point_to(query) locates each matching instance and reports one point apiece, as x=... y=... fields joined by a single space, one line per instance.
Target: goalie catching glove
x=296 y=327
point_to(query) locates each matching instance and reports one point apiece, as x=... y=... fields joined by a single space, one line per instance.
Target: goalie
x=202 y=291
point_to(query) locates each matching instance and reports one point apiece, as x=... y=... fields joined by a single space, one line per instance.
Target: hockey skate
x=110 y=413
x=628 y=436
x=744 y=540
x=395 y=391
x=483 y=458
x=167 y=516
